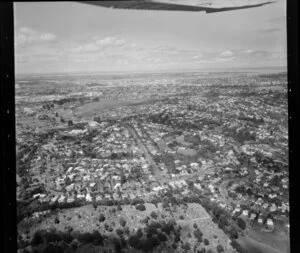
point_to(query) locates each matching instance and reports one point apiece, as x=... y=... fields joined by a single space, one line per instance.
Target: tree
x=162 y=237
x=101 y=218
x=119 y=232
x=134 y=242
x=37 y=238
x=141 y=207
x=66 y=237
x=52 y=236
x=49 y=248
x=236 y=246
x=123 y=179
x=97 y=238
x=139 y=233
x=119 y=207
x=74 y=245
x=220 y=248
x=153 y=215
x=206 y=242
x=56 y=221
x=165 y=204
x=186 y=246
x=85 y=238
x=94 y=205
x=122 y=222
x=241 y=223
x=233 y=233
x=198 y=234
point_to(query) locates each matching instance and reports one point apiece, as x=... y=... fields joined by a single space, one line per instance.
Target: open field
x=250 y=246
x=276 y=240
x=86 y=219
x=91 y=110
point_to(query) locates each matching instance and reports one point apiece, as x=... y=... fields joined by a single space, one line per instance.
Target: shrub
x=141 y=207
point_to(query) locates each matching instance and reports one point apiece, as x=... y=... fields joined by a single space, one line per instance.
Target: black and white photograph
x=152 y=126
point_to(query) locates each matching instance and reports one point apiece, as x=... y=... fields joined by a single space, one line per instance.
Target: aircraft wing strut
x=172 y=5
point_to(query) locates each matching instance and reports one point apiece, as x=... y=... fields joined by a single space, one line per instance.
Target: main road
x=157 y=171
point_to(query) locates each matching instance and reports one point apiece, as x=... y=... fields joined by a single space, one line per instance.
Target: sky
x=65 y=37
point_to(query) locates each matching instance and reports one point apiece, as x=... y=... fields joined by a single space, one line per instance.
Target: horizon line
x=116 y=72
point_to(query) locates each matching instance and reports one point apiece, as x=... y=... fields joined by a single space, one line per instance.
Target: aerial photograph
x=152 y=126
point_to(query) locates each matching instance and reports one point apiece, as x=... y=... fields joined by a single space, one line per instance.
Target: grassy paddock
x=250 y=245
x=90 y=110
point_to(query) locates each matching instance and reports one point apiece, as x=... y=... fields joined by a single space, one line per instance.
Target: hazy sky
x=70 y=36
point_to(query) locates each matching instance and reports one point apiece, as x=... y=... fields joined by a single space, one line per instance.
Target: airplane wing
x=209 y=6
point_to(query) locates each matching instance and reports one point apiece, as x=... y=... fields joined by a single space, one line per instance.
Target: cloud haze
x=160 y=41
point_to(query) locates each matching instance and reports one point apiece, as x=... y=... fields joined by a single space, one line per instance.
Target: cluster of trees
x=236 y=246
x=62 y=101
x=48 y=106
x=222 y=218
x=119 y=156
x=194 y=139
x=245 y=135
x=207 y=148
x=45 y=241
x=154 y=234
